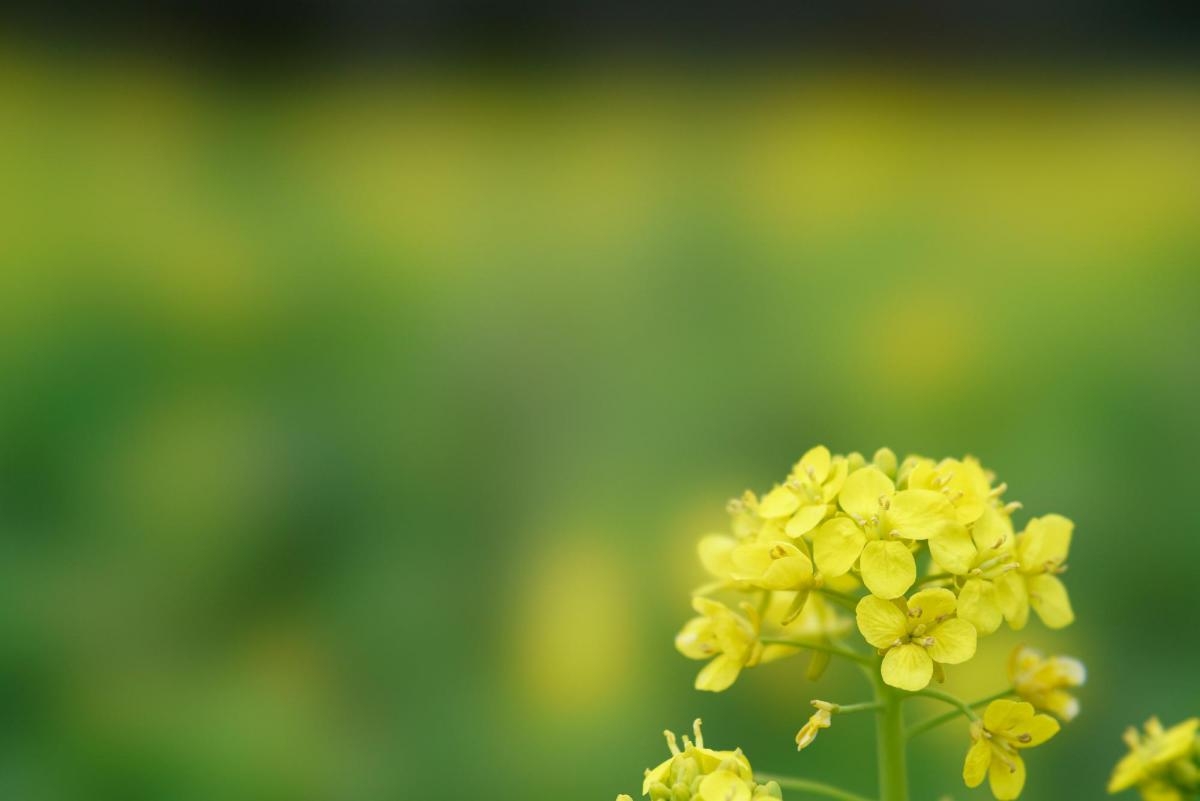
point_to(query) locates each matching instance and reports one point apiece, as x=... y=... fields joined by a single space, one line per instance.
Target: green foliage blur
x=356 y=432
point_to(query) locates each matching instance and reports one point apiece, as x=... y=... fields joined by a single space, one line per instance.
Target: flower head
x=821 y=719
x=1044 y=681
x=697 y=773
x=1161 y=762
x=1007 y=728
x=915 y=634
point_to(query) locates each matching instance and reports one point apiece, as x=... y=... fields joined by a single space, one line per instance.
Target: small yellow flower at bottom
x=1007 y=727
x=1161 y=762
x=821 y=719
x=696 y=773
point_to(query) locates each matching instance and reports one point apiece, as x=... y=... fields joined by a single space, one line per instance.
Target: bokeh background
x=357 y=426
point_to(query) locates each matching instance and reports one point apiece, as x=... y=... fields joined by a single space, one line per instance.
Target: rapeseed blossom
x=697 y=773
x=1161 y=763
x=1007 y=728
x=1044 y=681
x=915 y=634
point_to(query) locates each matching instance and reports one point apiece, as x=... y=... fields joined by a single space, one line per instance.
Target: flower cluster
x=696 y=773
x=923 y=551
x=1164 y=764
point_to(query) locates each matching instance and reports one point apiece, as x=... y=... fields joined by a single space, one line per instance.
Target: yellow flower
x=821 y=719
x=1043 y=681
x=964 y=483
x=776 y=566
x=801 y=502
x=988 y=557
x=1041 y=553
x=1007 y=728
x=876 y=529
x=728 y=639
x=916 y=634
x=696 y=773
x=1161 y=762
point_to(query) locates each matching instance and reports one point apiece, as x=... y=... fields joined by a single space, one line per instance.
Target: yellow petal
x=918 y=514
x=1004 y=715
x=1037 y=731
x=724 y=785
x=779 y=502
x=1046 y=539
x=885 y=460
x=927 y=606
x=976 y=765
x=977 y=604
x=814 y=465
x=806 y=519
x=992 y=531
x=953 y=549
x=718 y=674
x=714 y=554
x=1129 y=771
x=953 y=642
x=1007 y=777
x=907 y=667
x=1013 y=597
x=1161 y=790
x=837 y=544
x=696 y=639
x=861 y=493
x=1048 y=597
x=881 y=622
x=835 y=480
x=1061 y=703
x=888 y=568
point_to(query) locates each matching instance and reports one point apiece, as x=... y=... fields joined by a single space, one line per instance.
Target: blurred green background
x=356 y=432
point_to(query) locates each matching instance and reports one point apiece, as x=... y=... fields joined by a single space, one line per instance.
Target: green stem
x=809 y=786
x=953 y=700
x=865 y=706
x=938 y=720
x=845 y=653
x=890 y=742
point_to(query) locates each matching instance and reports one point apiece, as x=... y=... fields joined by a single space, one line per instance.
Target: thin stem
x=953 y=700
x=938 y=720
x=865 y=706
x=809 y=786
x=845 y=653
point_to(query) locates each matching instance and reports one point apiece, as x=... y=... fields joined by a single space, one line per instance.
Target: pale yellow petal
x=881 y=622
x=696 y=639
x=718 y=674
x=928 y=606
x=975 y=767
x=862 y=492
x=837 y=544
x=1128 y=772
x=977 y=604
x=1013 y=596
x=724 y=785
x=1004 y=715
x=888 y=568
x=715 y=554
x=1050 y=539
x=954 y=642
x=835 y=480
x=918 y=514
x=907 y=667
x=806 y=519
x=779 y=502
x=1048 y=597
x=1038 y=730
x=1007 y=777
x=953 y=550
x=814 y=465
x=1061 y=703
x=992 y=531
x=885 y=460
x=792 y=572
